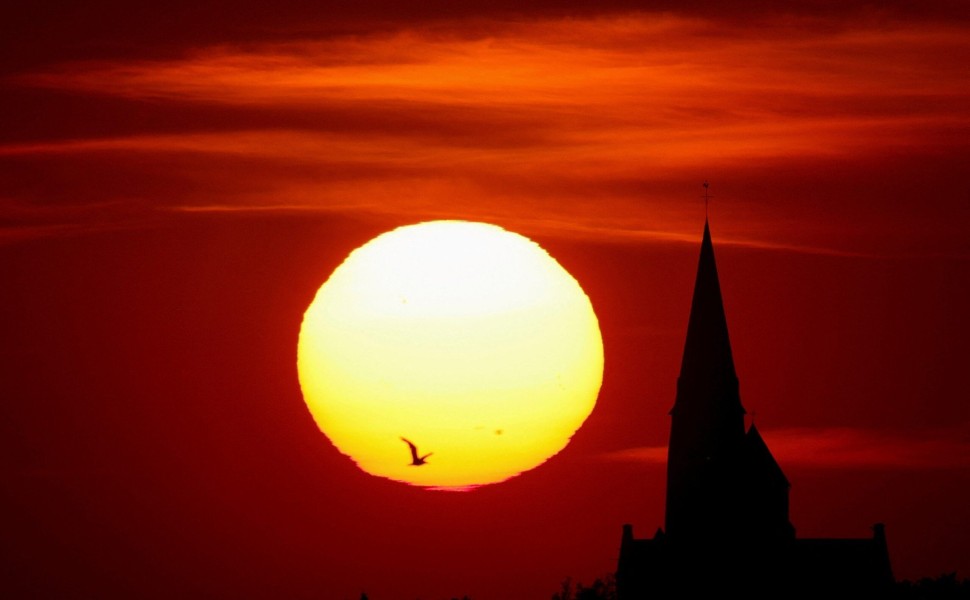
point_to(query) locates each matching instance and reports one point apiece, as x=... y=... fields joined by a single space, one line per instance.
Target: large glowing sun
x=466 y=339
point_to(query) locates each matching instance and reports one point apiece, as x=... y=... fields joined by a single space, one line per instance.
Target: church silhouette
x=726 y=528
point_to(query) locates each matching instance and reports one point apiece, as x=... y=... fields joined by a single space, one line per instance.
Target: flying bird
x=416 y=461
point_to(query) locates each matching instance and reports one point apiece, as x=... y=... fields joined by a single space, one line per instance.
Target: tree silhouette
x=603 y=588
x=944 y=587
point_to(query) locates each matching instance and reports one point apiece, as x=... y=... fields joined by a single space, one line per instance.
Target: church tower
x=722 y=481
x=707 y=421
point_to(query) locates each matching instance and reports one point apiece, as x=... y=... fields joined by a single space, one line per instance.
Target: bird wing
x=414 y=449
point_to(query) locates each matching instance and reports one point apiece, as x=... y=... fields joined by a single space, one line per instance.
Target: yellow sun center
x=466 y=339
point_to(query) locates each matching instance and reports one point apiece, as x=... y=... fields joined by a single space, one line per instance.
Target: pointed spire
x=707 y=351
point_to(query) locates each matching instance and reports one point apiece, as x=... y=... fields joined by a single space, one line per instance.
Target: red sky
x=175 y=184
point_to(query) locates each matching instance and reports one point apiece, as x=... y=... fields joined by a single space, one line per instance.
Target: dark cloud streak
x=37 y=34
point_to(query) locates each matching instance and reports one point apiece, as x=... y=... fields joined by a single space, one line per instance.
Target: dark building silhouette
x=726 y=528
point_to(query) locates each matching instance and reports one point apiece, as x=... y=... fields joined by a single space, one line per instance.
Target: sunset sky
x=176 y=183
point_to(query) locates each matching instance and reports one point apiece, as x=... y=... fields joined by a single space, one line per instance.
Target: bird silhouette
x=416 y=461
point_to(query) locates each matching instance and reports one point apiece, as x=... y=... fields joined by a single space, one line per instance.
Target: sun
x=466 y=339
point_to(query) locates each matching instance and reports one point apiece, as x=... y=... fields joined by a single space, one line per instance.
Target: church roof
x=760 y=460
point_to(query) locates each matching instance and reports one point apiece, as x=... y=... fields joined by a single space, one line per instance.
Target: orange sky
x=175 y=183
x=593 y=125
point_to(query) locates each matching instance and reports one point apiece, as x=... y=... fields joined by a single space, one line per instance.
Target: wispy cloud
x=592 y=125
x=611 y=82
x=848 y=448
x=20 y=221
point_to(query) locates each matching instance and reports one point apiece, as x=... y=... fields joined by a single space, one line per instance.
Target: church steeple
x=707 y=420
x=707 y=352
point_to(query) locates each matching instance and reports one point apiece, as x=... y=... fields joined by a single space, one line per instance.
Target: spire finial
x=707 y=198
